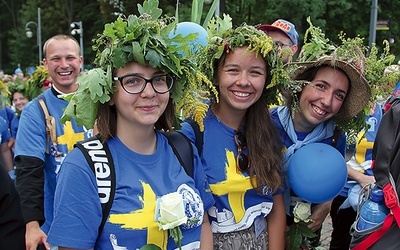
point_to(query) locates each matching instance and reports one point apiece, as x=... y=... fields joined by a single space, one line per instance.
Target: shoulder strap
x=182 y=148
x=376 y=235
x=100 y=161
x=386 y=158
x=51 y=133
x=199 y=135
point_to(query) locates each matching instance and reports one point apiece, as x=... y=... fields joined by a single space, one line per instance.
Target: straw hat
x=359 y=92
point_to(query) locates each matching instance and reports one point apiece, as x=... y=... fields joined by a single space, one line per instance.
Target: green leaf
x=297 y=233
x=119 y=58
x=210 y=13
x=149 y=247
x=116 y=29
x=153 y=57
x=150 y=7
x=138 y=53
x=304 y=230
x=97 y=85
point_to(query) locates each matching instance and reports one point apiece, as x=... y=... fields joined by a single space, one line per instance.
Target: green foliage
x=315 y=44
x=150 y=247
x=352 y=17
x=298 y=234
x=143 y=39
x=35 y=82
x=94 y=85
x=4 y=94
x=197 y=12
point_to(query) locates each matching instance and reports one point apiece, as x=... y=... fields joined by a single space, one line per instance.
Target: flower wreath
x=144 y=39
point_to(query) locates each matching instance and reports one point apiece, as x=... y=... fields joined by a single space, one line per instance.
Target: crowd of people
x=250 y=100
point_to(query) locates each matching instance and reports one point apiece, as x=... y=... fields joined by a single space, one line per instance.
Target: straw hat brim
x=359 y=92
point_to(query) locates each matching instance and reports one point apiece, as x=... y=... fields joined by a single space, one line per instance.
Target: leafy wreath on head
x=222 y=37
x=30 y=88
x=316 y=45
x=144 y=39
x=4 y=94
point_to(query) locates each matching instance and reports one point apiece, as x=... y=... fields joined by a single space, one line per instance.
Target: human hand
x=11 y=142
x=365 y=180
x=318 y=215
x=34 y=236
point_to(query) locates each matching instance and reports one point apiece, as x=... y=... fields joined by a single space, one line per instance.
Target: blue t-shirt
x=31 y=141
x=237 y=204
x=140 y=180
x=4 y=131
x=11 y=120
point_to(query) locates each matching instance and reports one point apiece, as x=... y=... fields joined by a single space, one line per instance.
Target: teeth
x=64 y=73
x=241 y=94
x=319 y=111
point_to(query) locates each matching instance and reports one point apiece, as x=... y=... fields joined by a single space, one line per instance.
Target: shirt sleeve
x=77 y=208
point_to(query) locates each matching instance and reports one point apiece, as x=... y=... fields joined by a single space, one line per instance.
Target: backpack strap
x=386 y=157
x=198 y=134
x=375 y=236
x=100 y=160
x=183 y=150
x=51 y=133
x=385 y=163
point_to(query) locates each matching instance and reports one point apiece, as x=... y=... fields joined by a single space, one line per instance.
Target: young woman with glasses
x=129 y=120
x=240 y=150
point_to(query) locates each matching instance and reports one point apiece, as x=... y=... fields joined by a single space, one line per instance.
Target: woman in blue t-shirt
x=241 y=152
x=154 y=198
x=327 y=90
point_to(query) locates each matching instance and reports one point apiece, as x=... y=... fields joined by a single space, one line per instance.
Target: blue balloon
x=317 y=172
x=186 y=28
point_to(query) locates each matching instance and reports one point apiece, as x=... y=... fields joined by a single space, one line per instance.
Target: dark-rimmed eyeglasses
x=281 y=44
x=134 y=84
x=242 y=161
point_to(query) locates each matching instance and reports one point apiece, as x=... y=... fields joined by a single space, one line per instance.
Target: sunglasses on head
x=242 y=161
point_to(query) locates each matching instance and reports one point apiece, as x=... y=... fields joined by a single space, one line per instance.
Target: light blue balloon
x=317 y=172
x=186 y=28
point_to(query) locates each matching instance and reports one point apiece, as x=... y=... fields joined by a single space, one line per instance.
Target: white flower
x=172 y=211
x=302 y=212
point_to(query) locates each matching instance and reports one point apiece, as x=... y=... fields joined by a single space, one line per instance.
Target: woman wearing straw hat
x=140 y=78
x=327 y=93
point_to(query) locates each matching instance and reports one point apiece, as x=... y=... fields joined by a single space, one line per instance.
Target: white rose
x=172 y=211
x=302 y=212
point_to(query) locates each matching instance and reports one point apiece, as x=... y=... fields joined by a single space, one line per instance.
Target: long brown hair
x=262 y=139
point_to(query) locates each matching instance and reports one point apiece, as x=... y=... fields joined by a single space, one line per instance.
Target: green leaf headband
x=144 y=39
x=222 y=38
x=33 y=86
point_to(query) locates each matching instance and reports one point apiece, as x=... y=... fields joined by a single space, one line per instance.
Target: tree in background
x=353 y=17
